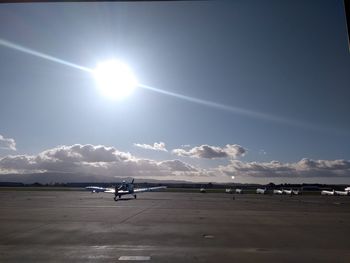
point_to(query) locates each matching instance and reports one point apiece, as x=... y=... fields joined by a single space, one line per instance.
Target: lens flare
x=35 y=53
x=115 y=79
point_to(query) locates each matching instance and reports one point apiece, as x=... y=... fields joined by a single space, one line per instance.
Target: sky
x=229 y=91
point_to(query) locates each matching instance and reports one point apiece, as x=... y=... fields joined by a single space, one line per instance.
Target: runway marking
x=126 y=247
x=143 y=258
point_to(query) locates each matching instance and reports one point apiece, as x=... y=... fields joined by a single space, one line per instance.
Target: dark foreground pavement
x=172 y=227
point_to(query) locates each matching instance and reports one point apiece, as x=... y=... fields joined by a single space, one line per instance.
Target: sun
x=114 y=79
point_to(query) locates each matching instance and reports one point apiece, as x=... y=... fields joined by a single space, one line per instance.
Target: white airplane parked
x=260 y=191
x=239 y=191
x=287 y=192
x=290 y=192
x=124 y=189
x=325 y=192
x=228 y=191
x=345 y=192
x=295 y=192
x=277 y=192
x=341 y=193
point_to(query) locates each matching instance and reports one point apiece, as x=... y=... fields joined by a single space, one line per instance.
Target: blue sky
x=285 y=60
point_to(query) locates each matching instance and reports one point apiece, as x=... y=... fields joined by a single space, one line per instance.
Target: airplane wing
x=122 y=192
x=137 y=190
x=112 y=191
x=95 y=189
x=148 y=189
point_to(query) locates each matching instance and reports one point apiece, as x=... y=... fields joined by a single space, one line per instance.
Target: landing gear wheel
x=135 y=196
x=115 y=198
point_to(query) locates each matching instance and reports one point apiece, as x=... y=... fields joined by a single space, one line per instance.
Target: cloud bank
x=156 y=146
x=303 y=168
x=212 y=152
x=96 y=160
x=7 y=143
x=102 y=163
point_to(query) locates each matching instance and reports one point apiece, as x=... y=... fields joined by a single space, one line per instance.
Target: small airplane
x=341 y=192
x=325 y=192
x=287 y=192
x=260 y=191
x=345 y=192
x=334 y=192
x=295 y=192
x=124 y=189
x=277 y=192
x=228 y=191
x=239 y=191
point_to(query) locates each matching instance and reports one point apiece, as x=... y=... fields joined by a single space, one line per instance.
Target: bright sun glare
x=115 y=80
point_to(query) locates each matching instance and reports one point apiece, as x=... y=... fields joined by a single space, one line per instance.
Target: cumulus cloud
x=99 y=162
x=212 y=152
x=7 y=143
x=95 y=160
x=85 y=153
x=303 y=168
x=177 y=165
x=156 y=146
x=180 y=168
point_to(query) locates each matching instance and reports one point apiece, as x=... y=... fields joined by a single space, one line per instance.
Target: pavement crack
x=136 y=214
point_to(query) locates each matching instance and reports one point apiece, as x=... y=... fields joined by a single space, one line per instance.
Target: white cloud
x=212 y=152
x=177 y=165
x=94 y=160
x=303 y=168
x=156 y=146
x=7 y=143
x=101 y=163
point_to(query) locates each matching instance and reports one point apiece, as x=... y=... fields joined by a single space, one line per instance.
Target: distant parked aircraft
x=334 y=192
x=260 y=191
x=287 y=192
x=228 y=191
x=341 y=193
x=325 y=192
x=124 y=189
x=295 y=192
x=277 y=192
x=239 y=191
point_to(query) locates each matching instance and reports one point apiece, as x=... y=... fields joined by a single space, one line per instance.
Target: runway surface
x=67 y=226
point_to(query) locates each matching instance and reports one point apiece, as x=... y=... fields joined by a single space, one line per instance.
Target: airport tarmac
x=50 y=226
